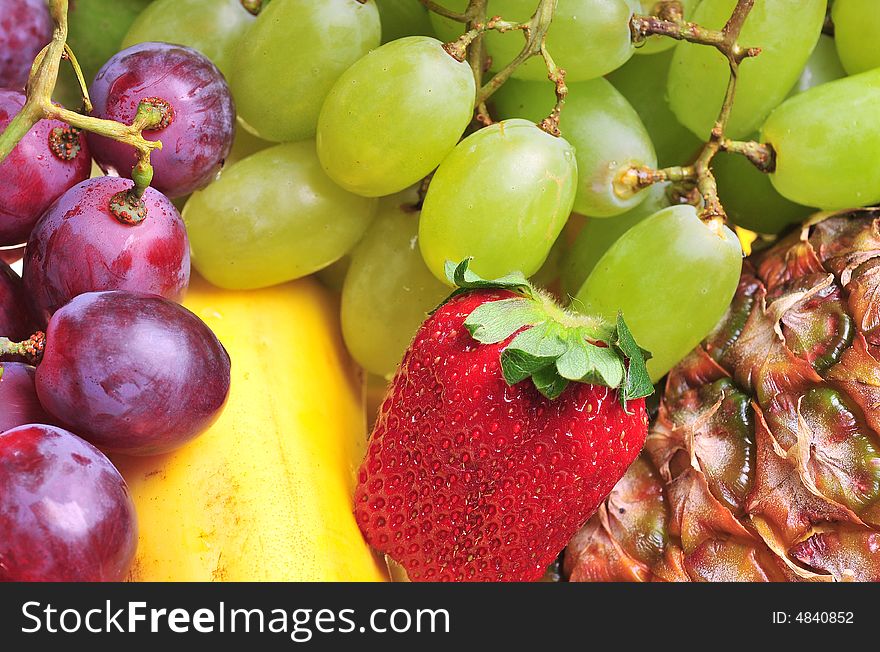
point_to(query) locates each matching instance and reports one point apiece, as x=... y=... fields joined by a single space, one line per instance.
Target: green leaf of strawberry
x=638 y=381
x=465 y=279
x=552 y=346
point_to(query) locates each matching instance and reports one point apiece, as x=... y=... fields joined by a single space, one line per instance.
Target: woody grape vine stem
x=80 y=79
x=712 y=211
x=39 y=106
x=459 y=17
x=670 y=22
x=535 y=32
x=477 y=10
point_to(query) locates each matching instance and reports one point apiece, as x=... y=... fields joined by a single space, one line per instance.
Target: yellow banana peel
x=265 y=494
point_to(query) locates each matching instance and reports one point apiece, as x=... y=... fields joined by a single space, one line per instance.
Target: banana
x=265 y=494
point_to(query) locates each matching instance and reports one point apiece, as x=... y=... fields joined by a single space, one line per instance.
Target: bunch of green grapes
x=785 y=30
x=749 y=197
x=588 y=38
x=358 y=157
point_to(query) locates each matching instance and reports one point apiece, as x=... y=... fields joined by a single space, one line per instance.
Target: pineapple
x=763 y=462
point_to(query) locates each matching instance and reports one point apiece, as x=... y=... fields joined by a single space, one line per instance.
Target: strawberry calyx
x=552 y=346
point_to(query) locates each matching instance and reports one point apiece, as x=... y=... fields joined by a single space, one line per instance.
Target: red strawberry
x=475 y=474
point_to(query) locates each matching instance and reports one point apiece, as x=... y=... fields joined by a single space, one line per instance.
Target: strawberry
x=508 y=422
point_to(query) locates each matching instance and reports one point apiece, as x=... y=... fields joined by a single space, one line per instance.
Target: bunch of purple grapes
x=122 y=367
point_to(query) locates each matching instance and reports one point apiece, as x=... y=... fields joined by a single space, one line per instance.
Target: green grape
x=332 y=277
x=548 y=276
x=642 y=81
x=394 y=115
x=857 y=34
x=95 y=31
x=502 y=196
x=530 y=100
x=213 y=27
x=180 y=202
x=609 y=138
x=446 y=29
x=96 y=28
x=597 y=236
x=749 y=198
x=588 y=38
x=273 y=217
x=243 y=145
x=606 y=132
x=747 y=194
x=785 y=30
x=403 y=18
x=822 y=66
x=67 y=91
x=291 y=56
x=388 y=291
x=672 y=277
x=658 y=43
x=827 y=143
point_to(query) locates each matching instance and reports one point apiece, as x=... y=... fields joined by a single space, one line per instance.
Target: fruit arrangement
x=762 y=462
x=439 y=290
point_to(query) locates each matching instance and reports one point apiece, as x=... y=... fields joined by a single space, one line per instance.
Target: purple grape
x=202 y=115
x=132 y=373
x=14 y=320
x=49 y=160
x=19 y=404
x=65 y=512
x=79 y=246
x=25 y=29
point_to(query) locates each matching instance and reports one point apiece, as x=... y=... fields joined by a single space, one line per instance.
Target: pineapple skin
x=763 y=462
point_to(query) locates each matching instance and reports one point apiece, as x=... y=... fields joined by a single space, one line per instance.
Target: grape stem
x=550 y=124
x=712 y=212
x=828 y=25
x=461 y=17
x=535 y=32
x=39 y=106
x=31 y=350
x=80 y=79
x=470 y=46
x=460 y=47
x=477 y=56
x=670 y=22
x=761 y=155
x=637 y=178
